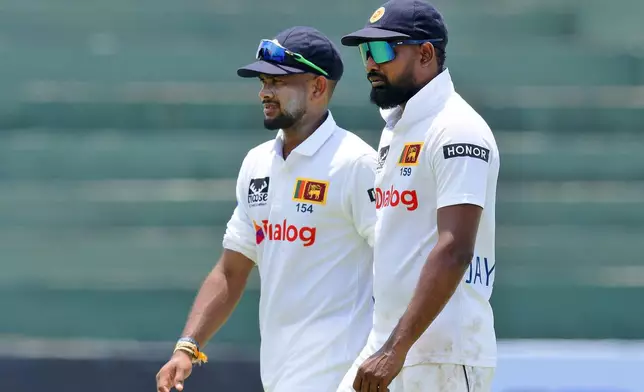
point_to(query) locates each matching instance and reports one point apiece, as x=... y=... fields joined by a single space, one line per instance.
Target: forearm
x=439 y=278
x=214 y=303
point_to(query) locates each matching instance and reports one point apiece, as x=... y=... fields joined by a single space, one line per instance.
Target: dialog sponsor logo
x=282 y=231
x=393 y=198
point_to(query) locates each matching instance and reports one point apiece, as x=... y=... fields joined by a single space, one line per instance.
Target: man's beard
x=389 y=96
x=282 y=121
x=285 y=119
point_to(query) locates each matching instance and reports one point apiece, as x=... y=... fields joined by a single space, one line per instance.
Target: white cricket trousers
x=428 y=377
x=433 y=377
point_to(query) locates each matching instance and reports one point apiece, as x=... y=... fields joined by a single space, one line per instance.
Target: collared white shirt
x=308 y=223
x=436 y=153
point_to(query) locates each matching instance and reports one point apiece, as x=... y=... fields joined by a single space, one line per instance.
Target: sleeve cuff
x=463 y=199
x=235 y=246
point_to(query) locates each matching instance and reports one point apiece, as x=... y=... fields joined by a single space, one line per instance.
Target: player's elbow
x=460 y=256
x=234 y=267
x=456 y=253
x=463 y=257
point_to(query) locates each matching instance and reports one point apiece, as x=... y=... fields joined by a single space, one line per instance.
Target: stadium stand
x=123 y=124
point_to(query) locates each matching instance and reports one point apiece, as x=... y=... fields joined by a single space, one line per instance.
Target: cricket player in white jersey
x=434 y=256
x=305 y=217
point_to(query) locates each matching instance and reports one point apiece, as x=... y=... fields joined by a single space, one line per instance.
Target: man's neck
x=297 y=134
x=423 y=84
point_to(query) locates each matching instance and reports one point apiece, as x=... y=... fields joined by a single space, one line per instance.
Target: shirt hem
x=481 y=362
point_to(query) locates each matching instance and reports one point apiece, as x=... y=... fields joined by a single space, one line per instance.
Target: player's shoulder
x=257 y=157
x=261 y=149
x=351 y=150
x=459 y=113
x=460 y=121
x=259 y=152
x=350 y=145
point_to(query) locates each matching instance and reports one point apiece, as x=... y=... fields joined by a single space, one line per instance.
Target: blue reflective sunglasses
x=274 y=52
x=383 y=51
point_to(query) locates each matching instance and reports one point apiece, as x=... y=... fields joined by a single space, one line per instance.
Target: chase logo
x=258 y=191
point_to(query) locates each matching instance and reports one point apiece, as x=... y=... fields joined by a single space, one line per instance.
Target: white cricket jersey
x=308 y=223
x=438 y=153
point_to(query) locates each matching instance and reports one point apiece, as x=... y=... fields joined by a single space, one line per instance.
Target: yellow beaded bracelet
x=192 y=350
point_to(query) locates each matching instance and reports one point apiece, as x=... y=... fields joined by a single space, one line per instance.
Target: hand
x=174 y=373
x=378 y=371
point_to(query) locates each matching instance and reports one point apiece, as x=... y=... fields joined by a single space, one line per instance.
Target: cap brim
x=370 y=34
x=262 y=67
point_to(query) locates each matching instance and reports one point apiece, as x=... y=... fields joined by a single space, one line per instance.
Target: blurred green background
x=123 y=125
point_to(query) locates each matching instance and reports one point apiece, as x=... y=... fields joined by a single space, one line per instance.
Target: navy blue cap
x=311 y=44
x=401 y=19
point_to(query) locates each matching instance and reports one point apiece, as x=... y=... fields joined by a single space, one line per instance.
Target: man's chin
x=279 y=122
x=271 y=124
x=381 y=98
x=389 y=97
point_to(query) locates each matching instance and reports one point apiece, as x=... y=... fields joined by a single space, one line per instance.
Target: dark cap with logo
x=310 y=44
x=401 y=20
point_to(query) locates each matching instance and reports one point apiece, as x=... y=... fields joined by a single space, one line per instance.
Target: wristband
x=188 y=339
x=191 y=347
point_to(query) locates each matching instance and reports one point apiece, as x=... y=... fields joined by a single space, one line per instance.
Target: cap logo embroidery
x=377 y=15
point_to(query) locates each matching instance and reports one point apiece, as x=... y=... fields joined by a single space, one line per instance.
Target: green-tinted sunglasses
x=272 y=51
x=383 y=51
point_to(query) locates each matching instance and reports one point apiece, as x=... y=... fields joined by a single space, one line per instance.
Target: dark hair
x=440 y=58
x=331 y=85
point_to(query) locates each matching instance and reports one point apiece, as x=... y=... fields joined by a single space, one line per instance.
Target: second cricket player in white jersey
x=428 y=163
x=436 y=178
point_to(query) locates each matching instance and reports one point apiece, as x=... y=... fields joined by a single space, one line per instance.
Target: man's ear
x=320 y=87
x=427 y=54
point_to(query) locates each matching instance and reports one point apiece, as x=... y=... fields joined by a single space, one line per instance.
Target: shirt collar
x=312 y=143
x=432 y=96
